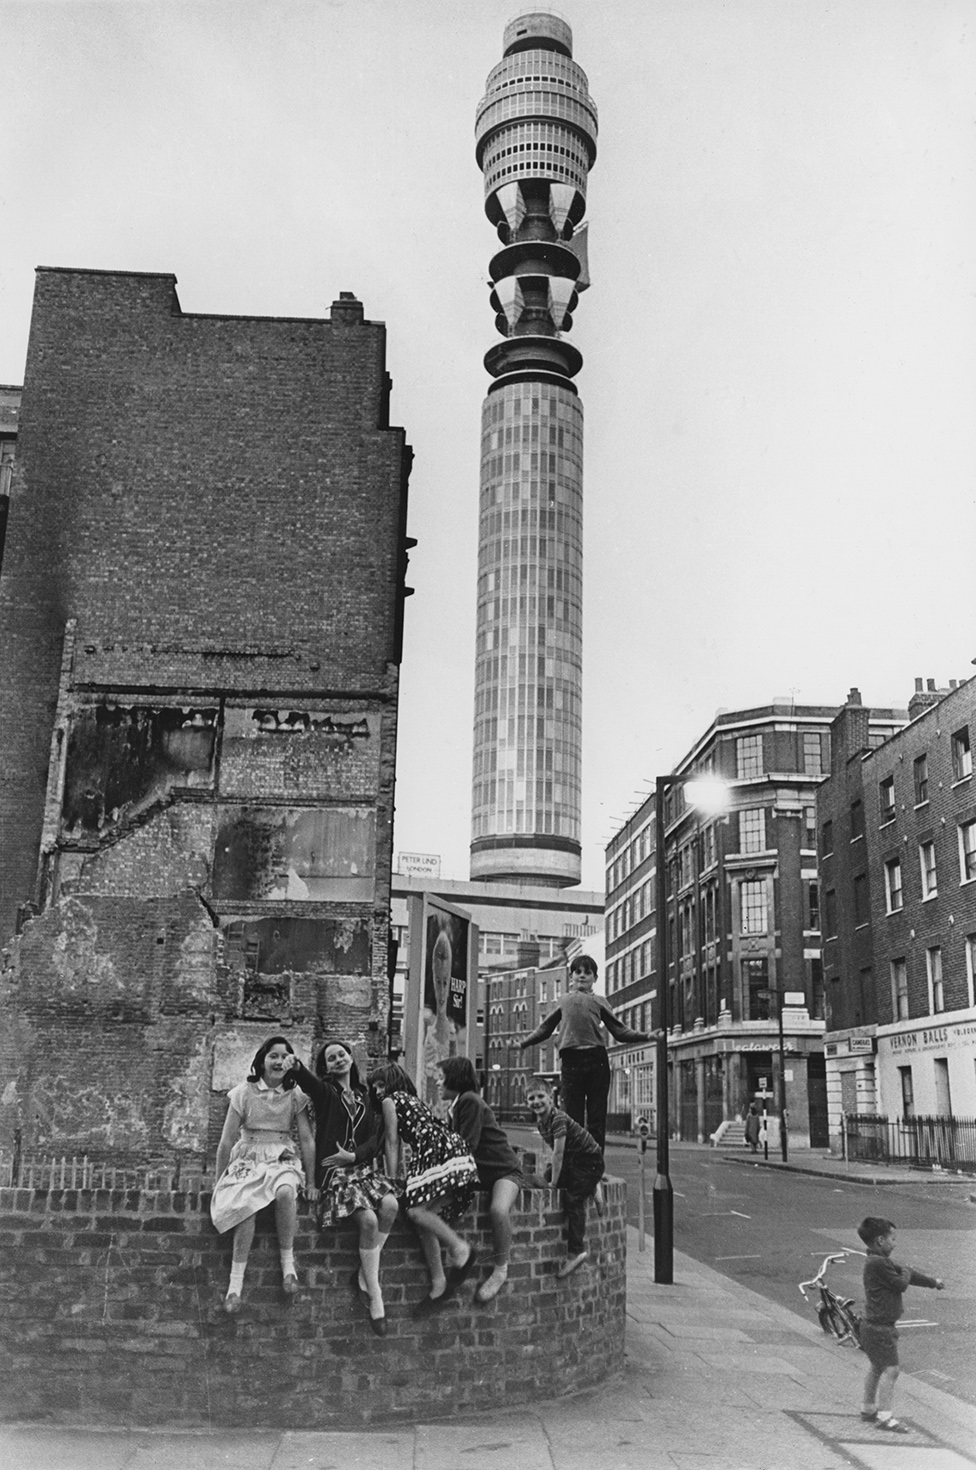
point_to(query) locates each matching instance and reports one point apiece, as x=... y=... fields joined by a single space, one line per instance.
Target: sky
x=779 y=343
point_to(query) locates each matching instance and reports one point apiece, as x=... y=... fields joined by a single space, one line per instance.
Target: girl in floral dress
x=257 y=1162
x=347 y=1140
x=441 y=1180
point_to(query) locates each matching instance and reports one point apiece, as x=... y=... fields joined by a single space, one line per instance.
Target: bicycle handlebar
x=818 y=1279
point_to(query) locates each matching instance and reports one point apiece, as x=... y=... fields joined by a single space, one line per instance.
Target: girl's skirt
x=252 y=1179
x=349 y=1188
x=451 y=1186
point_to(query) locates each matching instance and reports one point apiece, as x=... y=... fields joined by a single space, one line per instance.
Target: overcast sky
x=779 y=343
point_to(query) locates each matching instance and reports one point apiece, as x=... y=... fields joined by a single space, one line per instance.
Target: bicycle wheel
x=850 y=1323
x=827 y=1320
x=831 y=1320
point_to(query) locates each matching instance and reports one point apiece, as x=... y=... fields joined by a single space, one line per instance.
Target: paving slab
x=338 y=1450
x=223 y=1450
x=59 y=1449
x=499 y=1444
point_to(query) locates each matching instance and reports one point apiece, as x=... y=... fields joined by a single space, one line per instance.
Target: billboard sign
x=441 y=996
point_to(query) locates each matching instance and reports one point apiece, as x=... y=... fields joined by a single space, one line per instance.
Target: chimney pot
x=930 y=685
x=918 y=686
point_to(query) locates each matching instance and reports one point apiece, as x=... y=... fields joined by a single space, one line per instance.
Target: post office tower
x=536 y=142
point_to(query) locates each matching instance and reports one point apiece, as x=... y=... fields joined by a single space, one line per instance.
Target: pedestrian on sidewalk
x=753 y=1128
x=348 y=1139
x=441 y=1180
x=884 y=1287
x=577 y=1168
x=498 y=1165
x=258 y=1163
x=585 y=1067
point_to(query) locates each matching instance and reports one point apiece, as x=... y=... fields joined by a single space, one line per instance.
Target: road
x=770 y=1229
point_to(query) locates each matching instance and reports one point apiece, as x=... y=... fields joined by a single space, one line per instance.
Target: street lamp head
x=709 y=795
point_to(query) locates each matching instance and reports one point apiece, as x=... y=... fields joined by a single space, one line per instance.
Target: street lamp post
x=706 y=794
x=663 y=1193
x=782 y=1077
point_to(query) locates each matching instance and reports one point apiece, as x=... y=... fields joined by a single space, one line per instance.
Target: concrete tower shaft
x=535 y=143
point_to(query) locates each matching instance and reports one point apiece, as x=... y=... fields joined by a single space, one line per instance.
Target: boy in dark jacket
x=884 y=1287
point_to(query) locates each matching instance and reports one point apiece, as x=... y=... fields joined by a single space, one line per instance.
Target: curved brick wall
x=110 y=1312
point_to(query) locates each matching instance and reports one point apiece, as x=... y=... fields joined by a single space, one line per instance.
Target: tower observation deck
x=535 y=144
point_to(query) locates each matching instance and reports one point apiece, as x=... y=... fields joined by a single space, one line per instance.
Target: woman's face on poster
x=440 y=967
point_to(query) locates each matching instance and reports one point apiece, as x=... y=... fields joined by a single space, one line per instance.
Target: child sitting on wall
x=498 y=1166
x=257 y=1162
x=577 y=1167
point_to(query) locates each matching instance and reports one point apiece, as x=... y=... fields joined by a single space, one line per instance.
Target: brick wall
x=200 y=619
x=218 y=503
x=112 y=1314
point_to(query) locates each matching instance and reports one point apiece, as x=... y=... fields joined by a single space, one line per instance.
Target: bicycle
x=835 y=1314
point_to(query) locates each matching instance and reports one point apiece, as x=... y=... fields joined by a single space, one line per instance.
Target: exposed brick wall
x=112 y=1314
x=218 y=503
x=199 y=641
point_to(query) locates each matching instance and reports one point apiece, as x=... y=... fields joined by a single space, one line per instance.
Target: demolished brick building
x=201 y=609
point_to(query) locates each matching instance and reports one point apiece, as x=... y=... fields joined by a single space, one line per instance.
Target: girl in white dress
x=257 y=1162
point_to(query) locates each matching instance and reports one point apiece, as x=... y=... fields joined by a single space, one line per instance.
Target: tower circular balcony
x=530 y=354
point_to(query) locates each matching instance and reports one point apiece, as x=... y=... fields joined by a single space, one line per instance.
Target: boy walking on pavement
x=884 y=1287
x=577 y=1167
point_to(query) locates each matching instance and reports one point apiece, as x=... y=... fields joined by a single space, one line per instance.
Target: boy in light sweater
x=582 y=1018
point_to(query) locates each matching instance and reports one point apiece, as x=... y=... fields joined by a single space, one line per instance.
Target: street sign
x=794 y=998
x=762 y=1084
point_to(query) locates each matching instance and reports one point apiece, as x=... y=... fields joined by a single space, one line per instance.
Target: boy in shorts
x=884 y=1287
x=577 y=1167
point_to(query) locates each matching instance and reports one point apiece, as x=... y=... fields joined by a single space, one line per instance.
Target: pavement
x=716 y=1378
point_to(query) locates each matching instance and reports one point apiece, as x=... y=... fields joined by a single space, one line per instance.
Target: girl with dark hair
x=257 y=1162
x=347 y=1141
x=441 y=1179
x=498 y=1166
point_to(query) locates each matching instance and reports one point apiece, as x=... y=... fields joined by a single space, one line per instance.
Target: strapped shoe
x=892 y=1426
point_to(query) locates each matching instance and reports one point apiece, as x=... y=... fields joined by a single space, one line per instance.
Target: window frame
x=929 y=873
x=887 y=809
x=967 y=852
x=936 y=984
x=753 y=902
x=748 y=752
x=920 y=778
x=962 y=755
x=898 y=970
x=753 y=828
x=892 y=890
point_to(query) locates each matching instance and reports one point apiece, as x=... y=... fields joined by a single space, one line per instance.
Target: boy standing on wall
x=582 y=1017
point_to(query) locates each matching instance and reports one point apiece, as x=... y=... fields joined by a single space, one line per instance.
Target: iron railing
x=50 y=1171
x=937 y=1142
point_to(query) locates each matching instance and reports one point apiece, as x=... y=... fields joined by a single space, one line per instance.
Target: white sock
x=237 y=1269
x=288 y=1263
